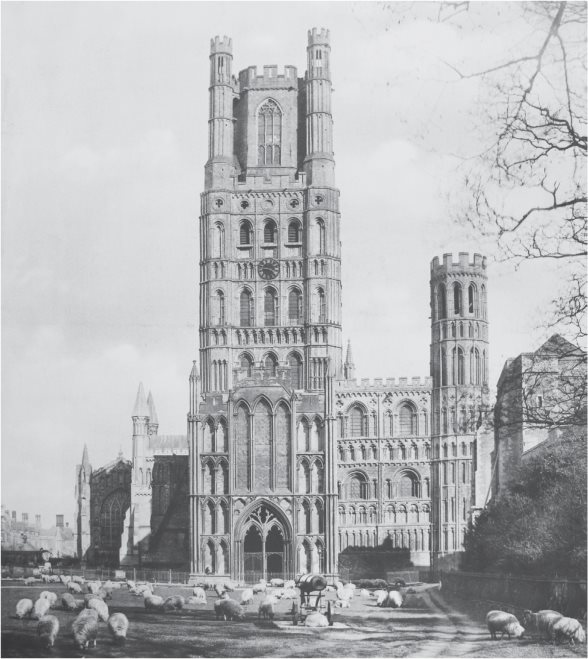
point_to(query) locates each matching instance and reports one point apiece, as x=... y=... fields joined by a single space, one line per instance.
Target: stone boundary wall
x=514 y=593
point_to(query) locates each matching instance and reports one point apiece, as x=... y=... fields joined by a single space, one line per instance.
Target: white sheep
x=289 y=594
x=228 y=609
x=196 y=600
x=118 y=625
x=343 y=604
x=266 y=608
x=47 y=630
x=100 y=607
x=68 y=602
x=247 y=597
x=93 y=586
x=48 y=595
x=505 y=623
x=260 y=587
x=40 y=608
x=154 y=602
x=568 y=628
x=64 y=579
x=199 y=593
x=380 y=596
x=24 y=607
x=77 y=579
x=30 y=581
x=392 y=600
x=277 y=583
x=130 y=584
x=540 y=621
x=219 y=589
x=289 y=585
x=46 y=578
x=85 y=628
x=316 y=619
x=364 y=593
x=74 y=587
x=174 y=603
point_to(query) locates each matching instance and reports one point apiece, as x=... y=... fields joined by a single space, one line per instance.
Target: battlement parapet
x=462 y=262
x=385 y=384
x=221 y=45
x=272 y=77
x=318 y=37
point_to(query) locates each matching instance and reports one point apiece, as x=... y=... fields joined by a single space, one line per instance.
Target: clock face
x=268 y=268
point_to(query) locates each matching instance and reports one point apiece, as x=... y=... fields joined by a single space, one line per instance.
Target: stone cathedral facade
x=288 y=460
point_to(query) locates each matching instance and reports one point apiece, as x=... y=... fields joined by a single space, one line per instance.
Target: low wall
x=372 y=564
x=515 y=593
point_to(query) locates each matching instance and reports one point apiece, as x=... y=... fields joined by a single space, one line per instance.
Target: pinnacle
x=194 y=375
x=141 y=408
x=349 y=357
x=152 y=412
x=85 y=459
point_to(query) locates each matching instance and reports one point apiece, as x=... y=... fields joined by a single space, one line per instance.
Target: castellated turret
x=459 y=369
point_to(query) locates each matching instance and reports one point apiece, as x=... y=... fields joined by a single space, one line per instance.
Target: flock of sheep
x=544 y=623
x=92 y=608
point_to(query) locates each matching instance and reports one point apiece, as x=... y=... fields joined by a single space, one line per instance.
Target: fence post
x=170 y=576
x=134 y=575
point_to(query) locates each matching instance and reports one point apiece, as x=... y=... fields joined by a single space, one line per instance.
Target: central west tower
x=261 y=424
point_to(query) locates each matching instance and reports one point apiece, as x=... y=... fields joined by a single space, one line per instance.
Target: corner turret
x=349 y=366
x=153 y=420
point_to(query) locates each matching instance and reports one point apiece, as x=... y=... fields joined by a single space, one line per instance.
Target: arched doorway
x=265 y=545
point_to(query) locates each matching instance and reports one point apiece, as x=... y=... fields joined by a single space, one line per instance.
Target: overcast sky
x=104 y=140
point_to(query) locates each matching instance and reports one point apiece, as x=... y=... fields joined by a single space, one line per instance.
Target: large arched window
x=408 y=486
x=357 y=422
x=457 y=299
x=245 y=233
x=112 y=515
x=321 y=306
x=294 y=233
x=247 y=365
x=270 y=365
x=458 y=366
x=246 y=308
x=295 y=307
x=407 y=419
x=295 y=370
x=269 y=134
x=321 y=236
x=219 y=240
x=220 y=308
x=357 y=487
x=270 y=307
x=441 y=302
x=269 y=232
x=473 y=299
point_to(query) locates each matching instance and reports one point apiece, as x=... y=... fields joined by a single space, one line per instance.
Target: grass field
x=418 y=629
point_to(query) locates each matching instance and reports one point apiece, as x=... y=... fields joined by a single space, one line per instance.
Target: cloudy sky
x=104 y=139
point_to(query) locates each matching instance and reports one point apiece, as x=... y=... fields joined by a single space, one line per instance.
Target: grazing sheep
x=89 y=597
x=246 y=597
x=80 y=604
x=100 y=607
x=219 y=589
x=541 y=621
x=108 y=584
x=24 y=607
x=316 y=619
x=260 y=587
x=46 y=578
x=277 y=583
x=64 y=579
x=266 y=608
x=199 y=593
x=47 y=630
x=78 y=579
x=196 y=600
x=343 y=604
x=48 y=595
x=74 y=587
x=68 y=602
x=174 y=603
x=93 y=586
x=568 y=628
x=154 y=602
x=229 y=587
x=85 y=628
x=364 y=593
x=30 y=581
x=289 y=594
x=40 y=608
x=130 y=584
x=228 y=609
x=392 y=600
x=118 y=625
x=380 y=596
x=290 y=584
x=505 y=623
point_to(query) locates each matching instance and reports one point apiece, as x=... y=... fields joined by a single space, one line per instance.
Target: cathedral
x=288 y=460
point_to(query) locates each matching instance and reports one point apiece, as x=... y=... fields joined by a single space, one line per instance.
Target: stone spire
x=85 y=458
x=153 y=420
x=349 y=366
x=194 y=375
x=141 y=407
